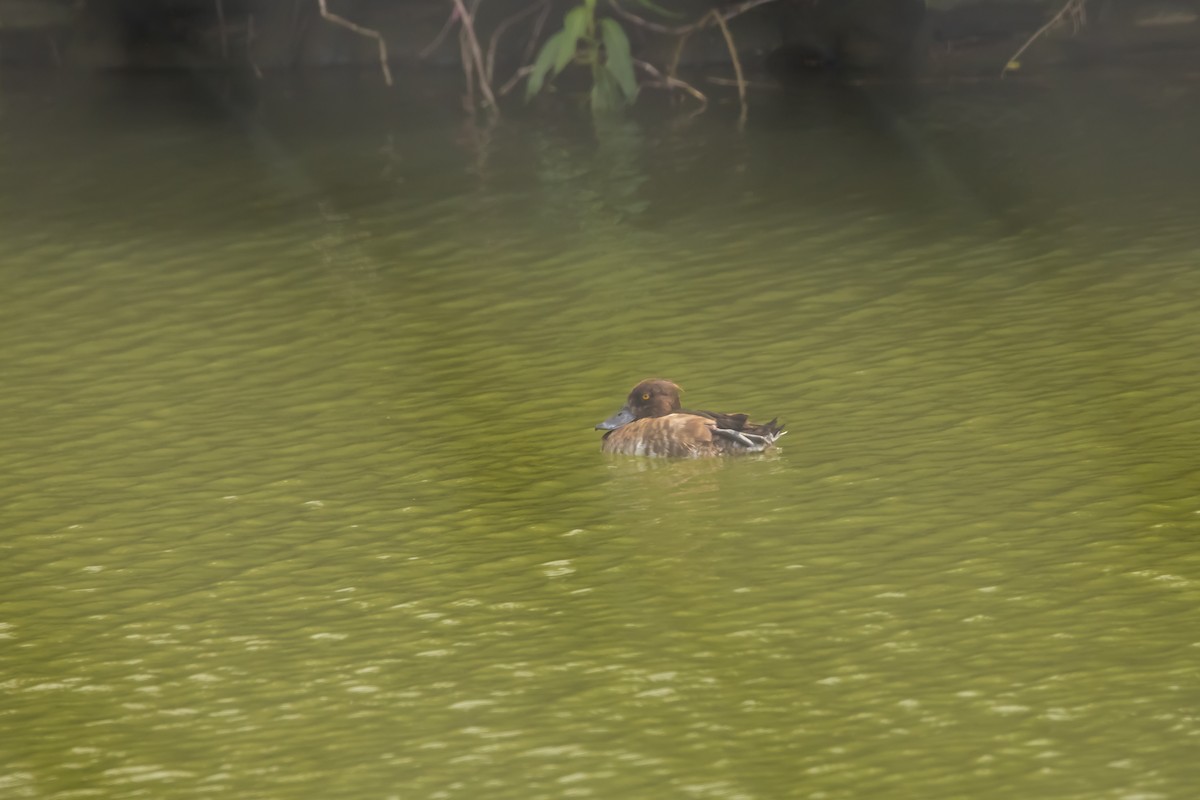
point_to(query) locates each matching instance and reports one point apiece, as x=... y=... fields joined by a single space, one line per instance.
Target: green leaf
x=618 y=58
x=542 y=64
x=575 y=25
x=606 y=93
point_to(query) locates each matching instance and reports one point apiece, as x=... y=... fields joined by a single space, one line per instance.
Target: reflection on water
x=302 y=495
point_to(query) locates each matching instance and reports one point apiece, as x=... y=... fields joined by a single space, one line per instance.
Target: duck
x=653 y=423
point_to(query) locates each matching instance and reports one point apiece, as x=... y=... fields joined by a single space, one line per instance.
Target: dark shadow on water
x=203 y=153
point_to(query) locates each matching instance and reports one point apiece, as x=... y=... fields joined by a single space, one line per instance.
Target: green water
x=301 y=497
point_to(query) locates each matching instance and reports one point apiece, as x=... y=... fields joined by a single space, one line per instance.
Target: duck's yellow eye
x=645 y=395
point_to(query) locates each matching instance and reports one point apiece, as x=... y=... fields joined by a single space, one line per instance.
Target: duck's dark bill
x=622 y=417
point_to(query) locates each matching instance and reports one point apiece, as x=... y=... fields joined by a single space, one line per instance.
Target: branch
x=1074 y=7
x=737 y=69
x=515 y=79
x=251 y=35
x=437 y=40
x=476 y=54
x=345 y=23
x=537 y=30
x=500 y=29
x=464 y=55
x=221 y=28
x=764 y=85
x=683 y=30
x=672 y=82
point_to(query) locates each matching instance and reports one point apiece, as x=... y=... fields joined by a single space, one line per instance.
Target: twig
x=749 y=84
x=437 y=40
x=737 y=69
x=683 y=30
x=677 y=54
x=537 y=30
x=515 y=79
x=476 y=54
x=672 y=82
x=657 y=27
x=221 y=28
x=496 y=34
x=299 y=26
x=251 y=35
x=1074 y=7
x=464 y=55
x=359 y=29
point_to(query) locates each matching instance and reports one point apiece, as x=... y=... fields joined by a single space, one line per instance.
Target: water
x=301 y=496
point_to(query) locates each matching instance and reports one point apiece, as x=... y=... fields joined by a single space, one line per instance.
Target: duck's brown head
x=650 y=398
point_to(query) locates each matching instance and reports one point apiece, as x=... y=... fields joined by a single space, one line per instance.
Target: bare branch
x=500 y=29
x=437 y=40
x=683 y=30
x=1075 y=8
x=359 y=29
x=737 y=69
x=515 y=79
x=464 y=55
x=468 y=24
x=671 y=82
x=251 y=35
x=221 y=28
x=751 y=84
x=537 y=30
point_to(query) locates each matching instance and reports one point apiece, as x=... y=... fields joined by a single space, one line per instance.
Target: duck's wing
x=733 y=422
x=741 y=423
x=772 y=428
x=748 y=441
x=740 y=434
